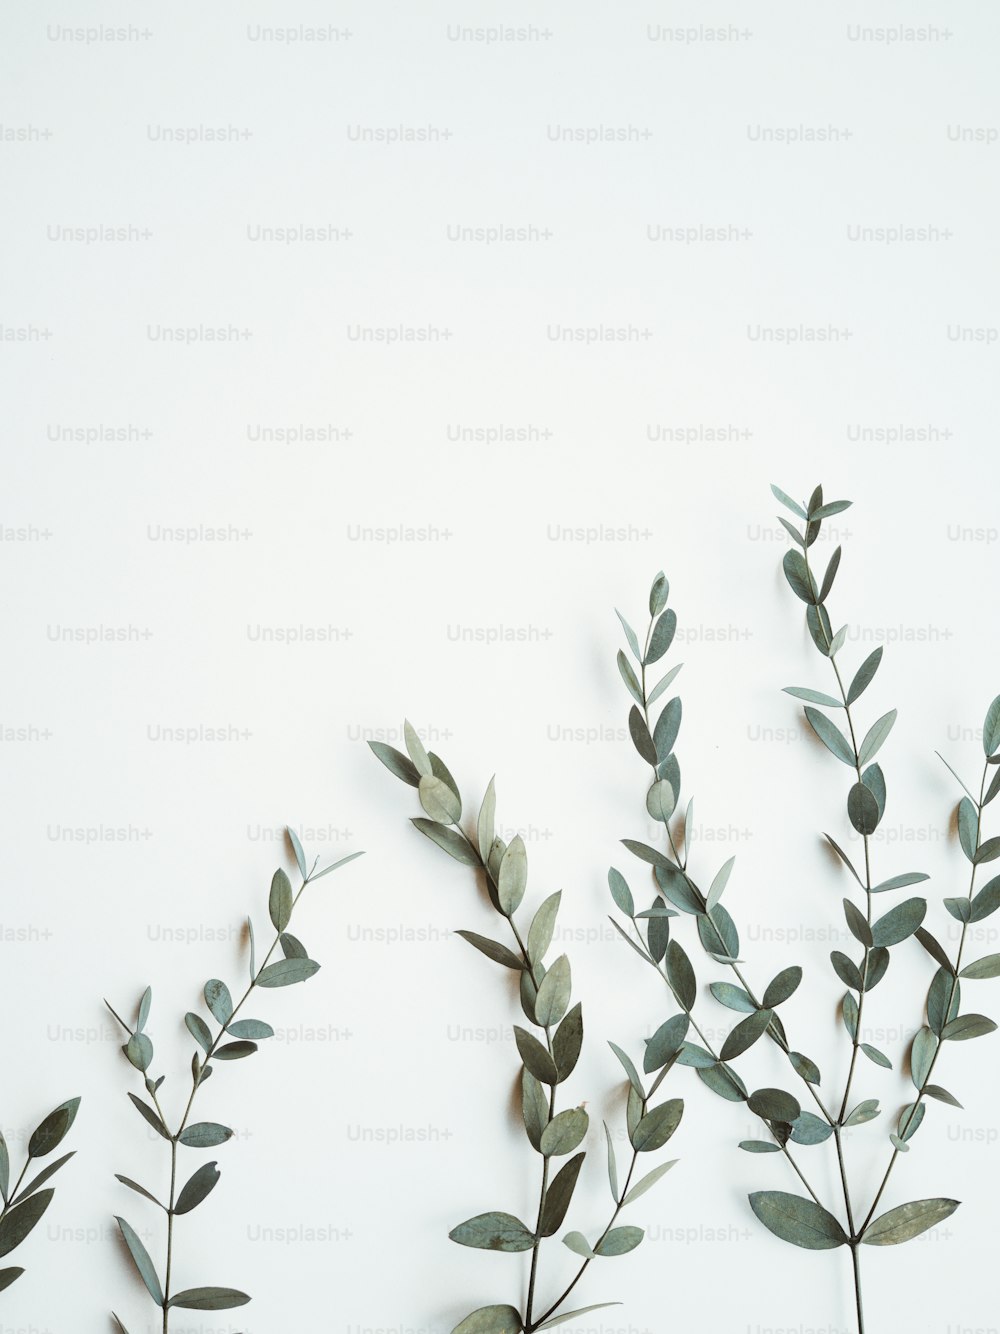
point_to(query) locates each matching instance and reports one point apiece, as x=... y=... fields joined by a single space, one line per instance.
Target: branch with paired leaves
x=780 y=1112
x=877 y=936
x=234 y=1039
x=548 y=1057
x=24 y=1205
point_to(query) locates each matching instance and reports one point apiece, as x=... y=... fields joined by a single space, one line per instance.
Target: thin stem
x=12 y=1195
x=170 y=1233
x=856 y=1263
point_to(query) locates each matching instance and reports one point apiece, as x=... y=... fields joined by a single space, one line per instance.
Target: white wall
x=371 y=1042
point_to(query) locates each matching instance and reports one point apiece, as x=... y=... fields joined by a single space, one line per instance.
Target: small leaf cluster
x=236 y=1038
x=548 y=1047
x=24 y=1205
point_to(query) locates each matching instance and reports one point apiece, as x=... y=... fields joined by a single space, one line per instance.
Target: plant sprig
x=547 y=1061
x=23 y=1205
x=235 y=1039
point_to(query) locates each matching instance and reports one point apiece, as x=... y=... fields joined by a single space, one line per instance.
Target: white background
x=635 y=455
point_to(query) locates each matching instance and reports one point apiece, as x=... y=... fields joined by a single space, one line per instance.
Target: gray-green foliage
x=235 y=1037
x=548 y=1050
x=24 y=1205
x=876 y=927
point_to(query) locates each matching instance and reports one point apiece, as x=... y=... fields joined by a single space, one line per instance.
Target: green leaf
x=535 y=1057
x=534 y=1108
x=415 y=749
x=732 y=997
x=847 y=970
x=666 y=1043
x=865 y=1111
x=199 y=1030
x=148 y=1113
x=986 y=902
x=680 y=975
x=631 y=1072
x=280 y=907
x=297 y=850
x=559 y=1195
x=813 y=696
x=567 y=1043
x=579 y=1244
x=142 y=1260
x=845 y=859
x=850 y=1015
x=19 y=1219
x=139 y=1051
x=804 y=1067
x=818 y=623
x=676 y=887
x=335 y=866
x=967 y=1026
x=900 y=881
x=792 y=532
x=799 y=577
x=235 y=1051
x=145 y=1001
x=439 y=800
x=661 y=686
x=492 y=949
x=922 y=1049
x=4 y=1169
x=449 y=839
x=875 y=1055
x=942 y=1095
x=991 y=728
x=658 y=594
x=201 y=1184
x=491 y=1320
x=968 y=827
x=788 y=502
x=513 y=876
x=564 y=1133
x=745 y=1034
x=758 y=1146
x=798 y=1220
x=718 y=885
x=876 y=736
x=909 y=1120
x=630 y=635
x=987 y=966
x=629 y=677
x=620 y=1240
x=139 y=1190
x=568 y=1315
x=667 y=726
x=831 y=573
x=808 y=1129
x=621 y=893
x=863 y=809
x=831 y=737
x=53 y=1129
x=494 y=1232
x=774 y=1105
x=612 y=1164
x=255 y=1029
x=648 y=1182
x=641 y=738
x=209 y=1299
x=553 y=993
x=204 y=1135
x=660 y=801
x=396 y=762
x=218 y=999
x=945 y=990
x=899 y=922
x=988 y=851
x=834 y=507
x=857 y=924
x=662 y=637
x=656 y=1127
x=723 y=1081
x=781 y=987
x=878 y=963
x=286 y=972
x=9 y=1276
x=907 y=1221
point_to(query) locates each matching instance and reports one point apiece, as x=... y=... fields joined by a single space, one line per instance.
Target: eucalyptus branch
x=235 y=1039
x=545 y=994
x=865 y=808
x=23 y=1206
